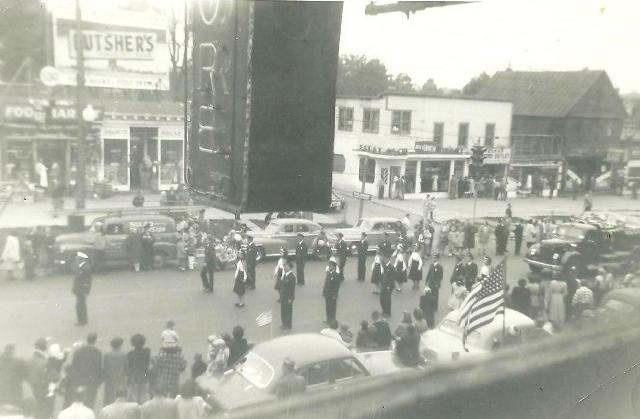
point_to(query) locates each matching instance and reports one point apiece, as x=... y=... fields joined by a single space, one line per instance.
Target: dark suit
x=330 y=293
x=470 y=275
x=458 y=272
x=386 y=248
x=386 y=288
x=290 y=384
x=209 y=266
x=301 y=257
x=363 y=248
x=86 y=370
x=250 y=264
x=342 y=252
x=434 y=278
x=287 y=295
x=81 y=289
x=518 y=232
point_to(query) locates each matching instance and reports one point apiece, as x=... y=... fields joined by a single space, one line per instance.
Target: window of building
x=370 y=120
x=434 y=176
x=438 y=134
x=401 y=122
x=370 y=169
x=489 y=135
x=339 y=163
x=463 y=134
x=345 y=119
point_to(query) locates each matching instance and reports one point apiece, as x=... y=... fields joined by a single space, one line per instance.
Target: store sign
x=108 y=45
x=424 y=147
x=171 y=133
x=497 y=155
x=120 y=80
x=23 y=113
x=116 y=133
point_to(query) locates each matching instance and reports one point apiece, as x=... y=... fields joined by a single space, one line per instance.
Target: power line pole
x=81 y=140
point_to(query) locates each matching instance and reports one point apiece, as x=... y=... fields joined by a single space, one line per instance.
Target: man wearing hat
x=330 y=291
x=290 y=383
x=82 y=286
x=287 y=295
x=209 y=266
x=301 y=256
x=148 y=239
x=251 y=260
x=434 y=279
x=385 y=245
x=341 y=253
x=115 y=370
x=363 y=249
x=387 y=286
x=86 y=369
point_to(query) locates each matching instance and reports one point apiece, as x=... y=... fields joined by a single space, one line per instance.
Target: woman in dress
x=444 y=239
x=11 y=254
x=241 y=280
x=376 y=271
x=555 y=303
x=400 y=268
x=483 y=237
x=415 y=267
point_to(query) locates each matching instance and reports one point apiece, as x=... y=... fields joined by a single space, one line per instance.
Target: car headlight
x=532 y=252
x=556 y=256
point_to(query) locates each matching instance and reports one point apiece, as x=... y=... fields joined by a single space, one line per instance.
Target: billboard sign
x=108 y=45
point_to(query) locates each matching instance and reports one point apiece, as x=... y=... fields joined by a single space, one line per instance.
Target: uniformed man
x=458 y=270
x=387 y=286
x=290 y=383
x=341 y=253
x=82 y=287
x=385 y=245
x=470 y=273
x=434 y=278
x=302 y=252
x=148 y=239
x=363 y=249
x=330 y=291
x=287 y=295
x=210 y=260
x=251 y=261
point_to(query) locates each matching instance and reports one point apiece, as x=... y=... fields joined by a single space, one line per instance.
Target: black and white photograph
x=280 y=209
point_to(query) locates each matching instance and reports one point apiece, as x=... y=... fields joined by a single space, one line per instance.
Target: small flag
x=264 y=318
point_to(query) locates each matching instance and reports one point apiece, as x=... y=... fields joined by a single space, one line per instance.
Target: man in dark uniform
x=434 y=278
x=302 y=251
x=458 y=271
x=363 y=248
x=342 y=252
x=287 y=295
x=82 y=287
x=290 y=383
x=251 y=261
x=147 y=248
x=387 y=286
x=210 y=259
x=330 y=291
x=385 y=245
x=470 y=273
x=517 y=234
x=502 y=235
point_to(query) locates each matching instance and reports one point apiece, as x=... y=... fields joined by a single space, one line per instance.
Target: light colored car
x=444 y=343
x=283 y=232
x=325 y=363
x=375 y=227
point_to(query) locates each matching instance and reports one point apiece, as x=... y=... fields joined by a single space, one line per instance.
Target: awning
x=543 y=165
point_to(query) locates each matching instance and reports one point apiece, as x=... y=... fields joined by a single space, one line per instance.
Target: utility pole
x=362 y=188
x=81 y=140
x=477 y=159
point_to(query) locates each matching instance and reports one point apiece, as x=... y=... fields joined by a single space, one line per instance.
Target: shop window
x=434 y=176
x=18 y=164
x=401 y=122
x=410 y=172
x=438 y=134
x=339 y=163
x=116 y=162
x=489 y=135
x=370 y=120
x=368 y=173
x=170 y=162
x=463 y=135
x=345 y=119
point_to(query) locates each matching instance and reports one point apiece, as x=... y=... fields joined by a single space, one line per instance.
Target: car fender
x=167 y=248
x=568 y=255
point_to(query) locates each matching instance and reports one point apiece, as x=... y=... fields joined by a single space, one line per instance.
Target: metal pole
x=81 y=146
x=362 y=188
x=186 y=91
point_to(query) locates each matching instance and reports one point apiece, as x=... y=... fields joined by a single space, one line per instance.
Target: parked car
x=116 y=229
x=619 y=305
x=283 y=232
x=337 y=202
x=375 y=227
x=325 y=363
x=444 y=343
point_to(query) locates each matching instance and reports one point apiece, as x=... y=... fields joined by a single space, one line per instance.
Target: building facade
x=425 y=139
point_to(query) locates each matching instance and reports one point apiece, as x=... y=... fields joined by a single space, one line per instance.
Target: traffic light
x=477 y=155
x=262 y=114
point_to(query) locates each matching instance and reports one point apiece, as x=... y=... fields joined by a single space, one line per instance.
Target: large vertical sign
x=262 y=114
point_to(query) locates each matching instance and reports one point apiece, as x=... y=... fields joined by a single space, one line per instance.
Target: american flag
x=484 y=302
x=264 y=318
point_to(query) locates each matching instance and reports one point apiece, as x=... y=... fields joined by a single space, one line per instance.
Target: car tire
x=535 y=269
x=159 y=260
x=261 y=256
x=574 y=260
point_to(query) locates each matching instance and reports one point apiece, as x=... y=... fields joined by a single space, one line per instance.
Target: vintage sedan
x=325 y=363
x=375 y=227
x=284 y=232
x=444 y=343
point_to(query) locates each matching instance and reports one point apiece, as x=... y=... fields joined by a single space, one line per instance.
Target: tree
x=430 y=88
x=475 y=84
x=177 y=44
x=401 y=83
x=362 y=77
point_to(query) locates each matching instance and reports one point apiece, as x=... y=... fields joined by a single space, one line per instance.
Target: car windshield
x=96 y=226
x=256 y=370
x=272 y=228
x=364 y=224
x=570 y=232
x=450 y=327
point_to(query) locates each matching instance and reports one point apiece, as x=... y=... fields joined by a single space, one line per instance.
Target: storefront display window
x=434 y=176
x=171 y=162
x=410 y=172
x=19 y=162
x=116 y=161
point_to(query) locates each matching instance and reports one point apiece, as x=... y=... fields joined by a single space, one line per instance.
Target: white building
x=426 y=139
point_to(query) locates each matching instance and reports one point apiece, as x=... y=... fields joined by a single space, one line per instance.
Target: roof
x=449 y=96
x=551 y=93
x=303 y=348
x=292 y=220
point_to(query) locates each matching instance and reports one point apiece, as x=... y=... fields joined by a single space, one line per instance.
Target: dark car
x=116 y=230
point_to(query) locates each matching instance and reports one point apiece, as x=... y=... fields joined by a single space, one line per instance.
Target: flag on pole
x=264 y=318
x=484 y=302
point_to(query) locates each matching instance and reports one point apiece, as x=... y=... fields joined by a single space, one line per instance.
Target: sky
x=455 y=43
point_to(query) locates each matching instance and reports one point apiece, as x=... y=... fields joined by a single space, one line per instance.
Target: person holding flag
x=278 y=272
x=484 y=302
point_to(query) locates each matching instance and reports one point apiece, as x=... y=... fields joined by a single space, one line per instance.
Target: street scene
x=190 y=229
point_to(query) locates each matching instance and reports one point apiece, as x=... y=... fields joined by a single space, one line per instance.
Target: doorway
x=394 y=171
x=143 y=149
